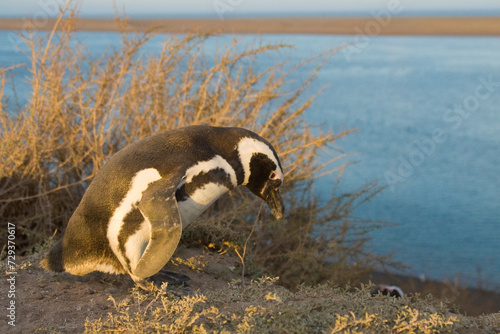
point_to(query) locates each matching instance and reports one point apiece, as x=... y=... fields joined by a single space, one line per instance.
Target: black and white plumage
x=388 y=290
x=131 y=217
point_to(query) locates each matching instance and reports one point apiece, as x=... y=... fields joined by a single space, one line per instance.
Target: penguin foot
x=170 y=277
x=163 y=276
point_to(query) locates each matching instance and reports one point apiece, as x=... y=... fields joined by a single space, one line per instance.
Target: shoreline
x=384 y=26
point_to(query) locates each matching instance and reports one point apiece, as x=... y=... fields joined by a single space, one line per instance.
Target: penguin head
x=262 y=172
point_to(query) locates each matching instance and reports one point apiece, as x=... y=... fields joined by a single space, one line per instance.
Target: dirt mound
x=60 y=302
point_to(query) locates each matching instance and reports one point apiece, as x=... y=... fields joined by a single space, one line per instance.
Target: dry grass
x=83 y=109
x=263 y=307
x=226 y=304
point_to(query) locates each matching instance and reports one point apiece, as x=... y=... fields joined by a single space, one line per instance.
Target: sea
x=427 y=114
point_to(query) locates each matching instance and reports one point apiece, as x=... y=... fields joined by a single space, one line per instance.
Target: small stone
x=102 y=307
x=90 y=291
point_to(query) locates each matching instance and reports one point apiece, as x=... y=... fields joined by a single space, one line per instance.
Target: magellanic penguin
x=131 y=217
x=388 y=290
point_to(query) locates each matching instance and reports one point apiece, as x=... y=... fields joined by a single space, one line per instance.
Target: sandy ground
x=48 y=302
x=467 y=26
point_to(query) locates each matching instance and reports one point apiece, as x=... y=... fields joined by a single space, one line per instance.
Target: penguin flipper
x=159 y=207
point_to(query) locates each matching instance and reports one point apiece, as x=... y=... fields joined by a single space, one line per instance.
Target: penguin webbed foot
x=172 y=278
x=163 y=276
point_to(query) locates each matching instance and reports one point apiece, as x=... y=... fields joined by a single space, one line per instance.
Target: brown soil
x=49 y=302
x=470 y=26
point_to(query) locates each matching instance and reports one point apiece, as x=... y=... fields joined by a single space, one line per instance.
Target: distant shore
x=436 y=26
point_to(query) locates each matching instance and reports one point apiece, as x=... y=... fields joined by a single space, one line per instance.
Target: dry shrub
x=319 y=243
x=85 y=108
x=262 y=307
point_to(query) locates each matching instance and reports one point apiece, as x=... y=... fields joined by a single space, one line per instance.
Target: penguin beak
x=273 y=199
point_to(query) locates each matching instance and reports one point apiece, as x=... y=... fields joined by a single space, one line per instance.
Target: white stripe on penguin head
x=247 y=147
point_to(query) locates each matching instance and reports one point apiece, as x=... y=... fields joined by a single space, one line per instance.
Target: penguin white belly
x=199 y=201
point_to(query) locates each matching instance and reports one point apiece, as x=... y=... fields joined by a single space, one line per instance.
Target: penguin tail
x=54 y=260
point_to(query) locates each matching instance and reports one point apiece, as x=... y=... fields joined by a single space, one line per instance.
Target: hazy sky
x=241 y=7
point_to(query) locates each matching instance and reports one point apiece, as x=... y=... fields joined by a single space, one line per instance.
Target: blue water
x=441 y=167
x=401 y=90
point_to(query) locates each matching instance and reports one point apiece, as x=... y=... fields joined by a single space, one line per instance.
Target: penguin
x=130 y=219
x=390 y=290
